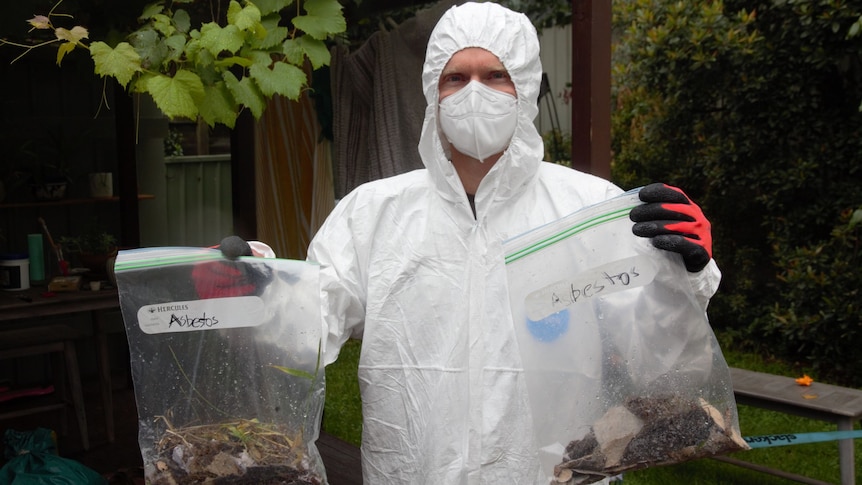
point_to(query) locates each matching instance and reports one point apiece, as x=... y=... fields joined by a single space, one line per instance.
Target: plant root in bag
x=225 y=364
x=622 y=369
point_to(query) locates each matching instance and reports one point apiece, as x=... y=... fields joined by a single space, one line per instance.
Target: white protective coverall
x=407 y=267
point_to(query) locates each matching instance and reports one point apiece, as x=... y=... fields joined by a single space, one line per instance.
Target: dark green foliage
x=558 y=147
x=543 y=13
x=817 y=316
x=753 y=109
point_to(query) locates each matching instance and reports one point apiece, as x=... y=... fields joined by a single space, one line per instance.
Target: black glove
x=232 y=247
x=230 y=276
x=674 y=223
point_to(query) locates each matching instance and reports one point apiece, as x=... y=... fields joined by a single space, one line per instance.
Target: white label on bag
x=620 y=275
x=194 y=315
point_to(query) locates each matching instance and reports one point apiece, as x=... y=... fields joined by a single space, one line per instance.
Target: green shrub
x=753 y=109
x=816 y=316
x=558 y=147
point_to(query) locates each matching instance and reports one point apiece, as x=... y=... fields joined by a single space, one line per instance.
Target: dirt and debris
x=647 y=431
x=244 y=452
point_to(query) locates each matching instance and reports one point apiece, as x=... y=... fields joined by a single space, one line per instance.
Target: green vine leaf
x=148 y=45
x=150 y=11
x=246 y=92
x=162 y=23
x=293 y=52
x=177 y=96
x=314 y=49
x=65 y=48
x=121 y=62
x=245 y=18
x=197 y=55
x=218 y=106
x=138 y=84
x=40 y=22
x=284 y=79
x=74 y=36
x=176 y=45
x=216 y=39
x=69 y=39
x=209 y=73
x=211 y=70
x=323 y=19
x=262 y=58
x=182 y=21
x=227 y=62
x=274 y=33
x=271 y=6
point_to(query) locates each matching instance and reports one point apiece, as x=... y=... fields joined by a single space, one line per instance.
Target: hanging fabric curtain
x=293 y=176
x=378 y=105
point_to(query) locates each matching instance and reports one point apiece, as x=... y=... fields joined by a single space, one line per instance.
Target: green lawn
x=343 y=418
x=342 y=411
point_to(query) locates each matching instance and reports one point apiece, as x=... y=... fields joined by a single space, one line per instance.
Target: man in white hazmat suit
x=413 y=264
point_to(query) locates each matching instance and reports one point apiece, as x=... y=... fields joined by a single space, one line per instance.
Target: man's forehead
x=472 y=57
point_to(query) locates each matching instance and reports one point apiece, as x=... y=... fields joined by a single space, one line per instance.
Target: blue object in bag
x=33 y=460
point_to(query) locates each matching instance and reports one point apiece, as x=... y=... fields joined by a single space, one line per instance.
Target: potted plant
x=93 y=249
x=49 y=179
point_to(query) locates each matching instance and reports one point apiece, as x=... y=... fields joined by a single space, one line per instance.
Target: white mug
x=101 y=184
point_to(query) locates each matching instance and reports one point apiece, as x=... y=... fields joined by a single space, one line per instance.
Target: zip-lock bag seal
x=622 y=368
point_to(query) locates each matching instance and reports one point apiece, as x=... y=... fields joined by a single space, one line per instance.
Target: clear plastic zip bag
x=225 y=365
x=622 y=368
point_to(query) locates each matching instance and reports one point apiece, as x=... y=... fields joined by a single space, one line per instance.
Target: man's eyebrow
x=450 y=70
x=458 y=69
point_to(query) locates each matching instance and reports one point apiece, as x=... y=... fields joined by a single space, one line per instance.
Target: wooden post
x=242 y=170
x=591 y=86
x=127 y=171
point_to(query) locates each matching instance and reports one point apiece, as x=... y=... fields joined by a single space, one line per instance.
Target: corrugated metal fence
x=556 y=55
x=198 y=199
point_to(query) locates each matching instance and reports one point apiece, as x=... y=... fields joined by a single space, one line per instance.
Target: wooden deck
x=835 y=404
x=343 y=465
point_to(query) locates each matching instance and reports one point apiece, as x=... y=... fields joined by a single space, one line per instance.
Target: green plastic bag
x=33 y=460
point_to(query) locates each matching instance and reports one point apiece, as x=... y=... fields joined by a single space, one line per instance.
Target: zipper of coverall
x=476 y=313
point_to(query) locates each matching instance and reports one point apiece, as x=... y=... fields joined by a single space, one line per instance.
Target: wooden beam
x=601 y=88
x=591 y=86
x=242 y=171
x=127 y=168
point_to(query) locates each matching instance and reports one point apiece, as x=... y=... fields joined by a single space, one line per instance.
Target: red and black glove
x=230 y=276
x=674 y=223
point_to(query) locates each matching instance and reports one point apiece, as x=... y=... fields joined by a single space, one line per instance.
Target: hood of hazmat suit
x=407 y=267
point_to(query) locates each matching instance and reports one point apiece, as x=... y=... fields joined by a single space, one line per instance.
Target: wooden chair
x=56 y=341
x=104 y=327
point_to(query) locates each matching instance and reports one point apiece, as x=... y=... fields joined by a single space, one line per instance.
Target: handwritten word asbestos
x=192 y=322
x=589 y=290
x=770 y=438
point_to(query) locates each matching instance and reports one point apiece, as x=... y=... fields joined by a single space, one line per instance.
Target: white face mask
x=479 y=121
